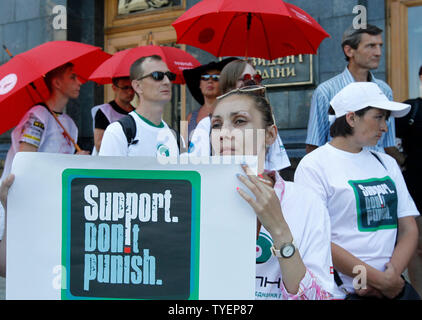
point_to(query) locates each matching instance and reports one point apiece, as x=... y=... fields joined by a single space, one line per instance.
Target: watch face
x=288 y=251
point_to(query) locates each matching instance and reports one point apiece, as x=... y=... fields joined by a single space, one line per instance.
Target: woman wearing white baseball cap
x=373 y=228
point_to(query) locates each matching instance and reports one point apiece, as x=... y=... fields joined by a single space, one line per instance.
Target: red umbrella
x=21 y=79
x=119 y=65
x=266 y=29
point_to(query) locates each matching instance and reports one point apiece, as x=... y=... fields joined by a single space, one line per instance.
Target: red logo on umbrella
x=206 y=35
x=301 y=16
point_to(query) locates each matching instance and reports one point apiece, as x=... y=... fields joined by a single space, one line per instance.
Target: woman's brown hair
x=230 y=74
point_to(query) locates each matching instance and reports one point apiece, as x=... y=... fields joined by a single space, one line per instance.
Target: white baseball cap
x=360 y=95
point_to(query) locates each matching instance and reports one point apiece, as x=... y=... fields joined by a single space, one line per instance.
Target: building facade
x=119 y=24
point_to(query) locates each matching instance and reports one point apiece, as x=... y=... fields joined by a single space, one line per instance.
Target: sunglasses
x=159 y=75
x=248 y=77
x=213 y=77
x=125 y=88
x=257 y=89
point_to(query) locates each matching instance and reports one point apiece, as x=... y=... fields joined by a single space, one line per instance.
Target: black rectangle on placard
x=158 y=266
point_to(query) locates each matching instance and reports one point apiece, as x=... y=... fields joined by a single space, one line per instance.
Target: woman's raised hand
x=266 y=203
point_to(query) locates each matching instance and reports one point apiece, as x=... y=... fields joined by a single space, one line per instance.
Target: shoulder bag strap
x=415 y=111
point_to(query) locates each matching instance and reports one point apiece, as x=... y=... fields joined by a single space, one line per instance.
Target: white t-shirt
x=200 y=146
x=309 y=223
x=364 y=201
x=39 y=128
x=152 y=140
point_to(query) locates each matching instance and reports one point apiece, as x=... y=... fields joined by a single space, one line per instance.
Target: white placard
x=36 y=267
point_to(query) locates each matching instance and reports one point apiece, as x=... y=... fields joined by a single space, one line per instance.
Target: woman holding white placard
x=293 y=249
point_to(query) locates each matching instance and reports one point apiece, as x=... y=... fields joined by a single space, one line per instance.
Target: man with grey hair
x=362 y=49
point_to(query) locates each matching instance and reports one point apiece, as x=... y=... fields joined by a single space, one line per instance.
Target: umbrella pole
x=78 y=149
x=247 y=45
x=248 y=29
x=7 y=51
x=149 y=41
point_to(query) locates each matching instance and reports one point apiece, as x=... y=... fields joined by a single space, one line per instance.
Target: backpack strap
x=129 y=128
x=378 y=158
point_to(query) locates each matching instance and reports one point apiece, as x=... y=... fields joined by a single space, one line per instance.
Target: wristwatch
x=286 y=251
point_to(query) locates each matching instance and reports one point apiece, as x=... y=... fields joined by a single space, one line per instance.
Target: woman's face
x=237 y=127
x=368 y=129
x=210 y=88
x=248 y=70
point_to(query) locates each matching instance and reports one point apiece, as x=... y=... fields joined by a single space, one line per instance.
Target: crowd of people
x=349 y=207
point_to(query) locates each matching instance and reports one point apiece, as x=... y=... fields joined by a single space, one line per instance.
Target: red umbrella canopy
x=266 y=29
x=25 y=71
x=176 y=59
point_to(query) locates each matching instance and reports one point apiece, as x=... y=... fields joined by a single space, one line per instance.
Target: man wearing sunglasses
x=203 y=84
x=150 y=135
x=107 y=113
